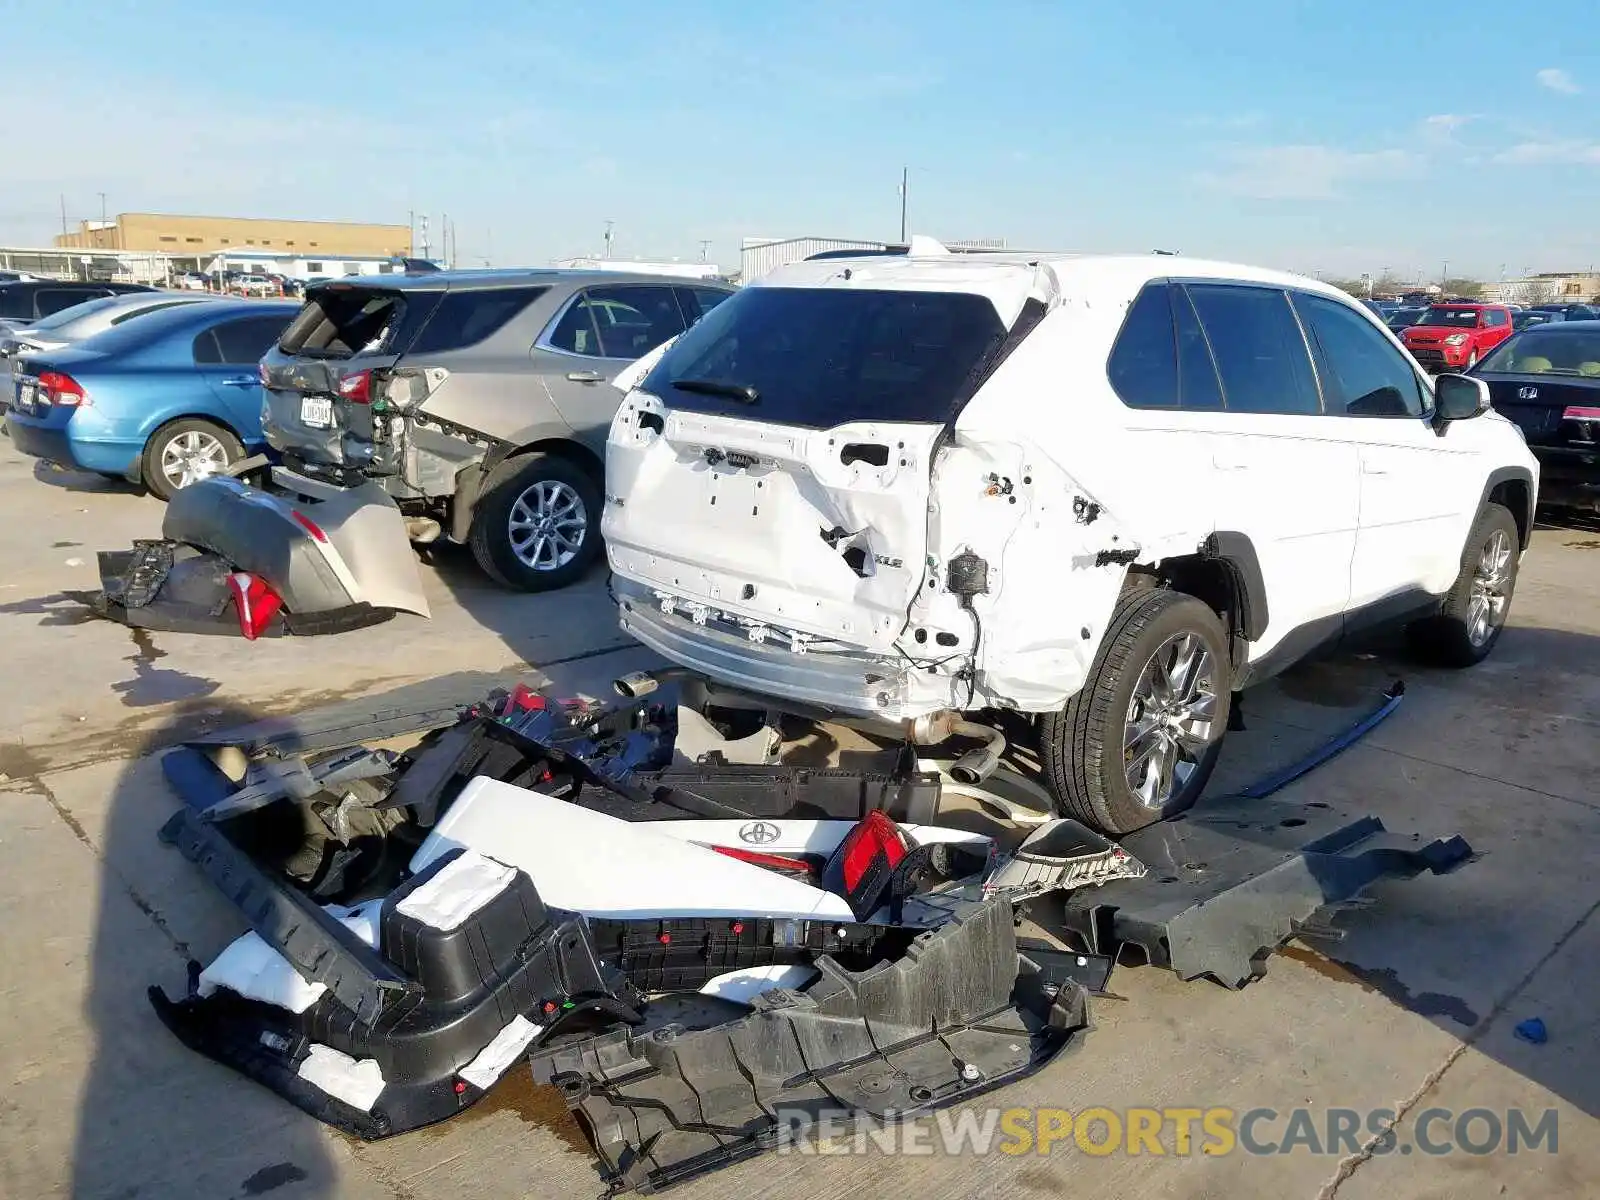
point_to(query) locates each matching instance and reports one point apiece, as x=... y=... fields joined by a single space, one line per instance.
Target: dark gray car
x=480 y=399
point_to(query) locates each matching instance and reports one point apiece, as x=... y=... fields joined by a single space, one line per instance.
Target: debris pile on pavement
x=691 y=940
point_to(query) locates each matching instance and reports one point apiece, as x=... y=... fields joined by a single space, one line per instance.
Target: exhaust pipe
x=975 y=765
x=636 y=685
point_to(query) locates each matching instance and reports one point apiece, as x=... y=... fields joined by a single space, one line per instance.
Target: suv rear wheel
x=1475 y=611
x=537 y=523
x=1140 y=739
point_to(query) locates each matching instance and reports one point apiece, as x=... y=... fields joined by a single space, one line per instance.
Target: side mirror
x=1458 y=398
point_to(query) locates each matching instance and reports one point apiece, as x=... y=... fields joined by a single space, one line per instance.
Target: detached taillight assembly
x=254 y=602
x=356 y=387
x=864 y=867
x=61 y=389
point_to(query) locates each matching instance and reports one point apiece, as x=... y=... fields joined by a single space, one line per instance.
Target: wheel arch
x=221 y=423
x=470 y=480
x=1512 y=487
x=1225 y=574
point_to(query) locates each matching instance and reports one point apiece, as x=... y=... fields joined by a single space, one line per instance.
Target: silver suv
x=480 y=400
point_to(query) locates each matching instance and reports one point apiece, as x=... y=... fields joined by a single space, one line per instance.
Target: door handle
x=1372 y=469
x=241 y=381
x=585 y=376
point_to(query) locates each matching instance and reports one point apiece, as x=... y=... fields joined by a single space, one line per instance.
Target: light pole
x=905 y=175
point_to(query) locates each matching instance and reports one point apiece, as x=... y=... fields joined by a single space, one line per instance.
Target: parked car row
x=160 y=388
x=501 y=377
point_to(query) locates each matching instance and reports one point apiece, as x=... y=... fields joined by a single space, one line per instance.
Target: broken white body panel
x=591 y=863
x=812 y=564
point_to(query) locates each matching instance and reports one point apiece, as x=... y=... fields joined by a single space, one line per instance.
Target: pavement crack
x=78 y=831
x=1352 y=1163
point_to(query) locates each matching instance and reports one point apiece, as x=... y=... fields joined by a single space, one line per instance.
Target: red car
x=1453 y=337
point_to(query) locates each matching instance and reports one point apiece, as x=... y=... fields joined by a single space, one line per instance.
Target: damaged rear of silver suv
x=808 y=500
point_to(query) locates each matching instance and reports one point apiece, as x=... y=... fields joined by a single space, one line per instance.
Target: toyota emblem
x=1528 y=393
x=759 y=833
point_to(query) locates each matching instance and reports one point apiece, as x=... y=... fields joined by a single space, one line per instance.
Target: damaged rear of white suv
x=1109 y=491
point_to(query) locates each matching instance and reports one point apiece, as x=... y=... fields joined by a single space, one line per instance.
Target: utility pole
x=704 y=244
x=609 y=226
x=1446 y=274
x=411 y=232
x=422 y=222
x=905 y=174
x=63 y=212
x=444 y=238
x=102 y=196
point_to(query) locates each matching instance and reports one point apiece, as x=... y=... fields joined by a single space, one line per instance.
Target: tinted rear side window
x=1260 y=352
x=1160 y=358
x=53 y=300
x=342 y=322
x=466 y=318
x=818 y=357
x=1143 y=366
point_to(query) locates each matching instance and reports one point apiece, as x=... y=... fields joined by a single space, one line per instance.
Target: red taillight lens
x=309 y=525
x=254 y=602
x=356 y=387
x=1578 y=412
x=876 y=841
x=62 y=389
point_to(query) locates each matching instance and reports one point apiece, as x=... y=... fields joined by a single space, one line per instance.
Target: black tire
x=1081 y=746
x=150 y=470
x=1447 y=640
x=490 y=534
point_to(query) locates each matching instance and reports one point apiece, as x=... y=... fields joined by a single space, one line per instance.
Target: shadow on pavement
x=72 y=480
x=155 y=1119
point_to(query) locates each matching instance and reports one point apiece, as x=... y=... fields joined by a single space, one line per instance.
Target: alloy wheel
x=547 y=525
x=192 y=456
x=1491 y=588
x=1170 y=716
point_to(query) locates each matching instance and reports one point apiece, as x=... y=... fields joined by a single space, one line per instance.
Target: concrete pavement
x=1411 y=1011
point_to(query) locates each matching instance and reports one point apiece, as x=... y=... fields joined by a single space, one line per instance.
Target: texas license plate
x=316 y=411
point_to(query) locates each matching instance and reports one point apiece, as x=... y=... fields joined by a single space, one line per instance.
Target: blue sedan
x=164 y=400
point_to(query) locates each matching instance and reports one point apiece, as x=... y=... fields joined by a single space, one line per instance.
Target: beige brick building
x=166 y=233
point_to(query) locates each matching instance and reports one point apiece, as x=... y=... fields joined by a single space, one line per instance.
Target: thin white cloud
x=1440 y=129
x=1567 y=151
x=1305 y=172
x=1558 y=80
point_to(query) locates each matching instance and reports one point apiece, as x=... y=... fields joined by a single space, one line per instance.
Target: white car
x=1107 y=491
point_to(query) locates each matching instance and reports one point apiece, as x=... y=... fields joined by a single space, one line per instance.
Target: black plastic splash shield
x=959 y=1013
x=1235 y=877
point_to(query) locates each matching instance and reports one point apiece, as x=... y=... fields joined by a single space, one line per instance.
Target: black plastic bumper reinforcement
x=961 y=1013
x=1235 y=878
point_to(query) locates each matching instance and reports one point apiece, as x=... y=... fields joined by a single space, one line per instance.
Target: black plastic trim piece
x=1238 y=553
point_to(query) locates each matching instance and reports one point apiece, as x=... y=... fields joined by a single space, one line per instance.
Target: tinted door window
x=1260 y=352
x=466 y=318
x=634 y=320
x=1143 y=366
x=247 y=339
x=1363 y=374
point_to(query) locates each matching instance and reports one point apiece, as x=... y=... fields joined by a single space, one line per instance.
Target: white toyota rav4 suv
x=1108 y=491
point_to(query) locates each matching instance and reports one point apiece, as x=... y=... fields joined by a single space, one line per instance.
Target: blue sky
x=1311 y=134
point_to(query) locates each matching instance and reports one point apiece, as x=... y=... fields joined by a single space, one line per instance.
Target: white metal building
x=254 y=261
x=687 y=270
